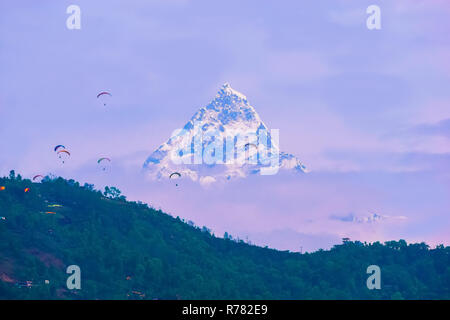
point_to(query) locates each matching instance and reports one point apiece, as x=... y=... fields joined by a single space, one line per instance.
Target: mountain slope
x=224 y=140
x=127 y=250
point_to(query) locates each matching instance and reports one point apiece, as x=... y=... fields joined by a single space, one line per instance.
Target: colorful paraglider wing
x=61 y=153
x=59 y=146
x=64 y=151
x=2 y=188
x=54 y=206
x=103 y=93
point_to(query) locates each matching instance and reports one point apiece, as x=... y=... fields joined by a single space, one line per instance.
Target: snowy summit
x=224 y=140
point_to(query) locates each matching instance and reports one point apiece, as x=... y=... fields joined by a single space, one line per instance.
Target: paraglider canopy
x=250 y=144
x=38 y=176
x=63 y=152
x=175 y=174
x=54 y=206
x=26 y=189
x=104 y=93
x=251 y=154
x=2 y=188
x=59 y=146
x=102 y=159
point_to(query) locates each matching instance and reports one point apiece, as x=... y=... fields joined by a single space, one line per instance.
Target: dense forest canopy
x=128 y=250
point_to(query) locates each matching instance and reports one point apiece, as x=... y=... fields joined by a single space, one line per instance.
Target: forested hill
x=126 y=250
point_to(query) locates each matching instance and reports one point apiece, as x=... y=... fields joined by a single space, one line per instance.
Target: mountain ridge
x=128 y=250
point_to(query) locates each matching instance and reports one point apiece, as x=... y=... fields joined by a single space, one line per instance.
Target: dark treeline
x=128 y=250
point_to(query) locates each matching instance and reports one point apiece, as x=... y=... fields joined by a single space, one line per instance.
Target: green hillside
x=127 y=250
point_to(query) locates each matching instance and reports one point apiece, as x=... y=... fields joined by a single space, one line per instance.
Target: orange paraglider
x=2 y=188
x=63 y=154
x=26 y=189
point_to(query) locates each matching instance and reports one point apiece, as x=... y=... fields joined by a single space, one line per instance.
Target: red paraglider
x=64 y=153
x=103 y=93
x=38 y=176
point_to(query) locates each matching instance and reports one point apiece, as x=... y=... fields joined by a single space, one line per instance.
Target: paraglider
x=103 y=162
x=2 y=188
x=248 y=145
x=250 y=155
x=63 y=154
x=102 y=94
x=54 y=206
x=39 y=176
x=64 y=151
x=26 y=190
x=175 y=174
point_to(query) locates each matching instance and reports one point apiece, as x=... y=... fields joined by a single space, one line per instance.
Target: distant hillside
x=127 y=250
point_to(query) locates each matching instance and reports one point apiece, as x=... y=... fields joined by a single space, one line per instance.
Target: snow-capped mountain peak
x=229 y=109
x=224 y=140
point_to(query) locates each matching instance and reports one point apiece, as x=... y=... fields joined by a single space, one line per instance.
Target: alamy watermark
x=74 y=280
x=73 y=22
x=373 y=22
x=374 y=280
x=198 y=144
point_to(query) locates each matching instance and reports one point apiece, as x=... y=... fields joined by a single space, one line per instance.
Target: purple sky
x=367 y=111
